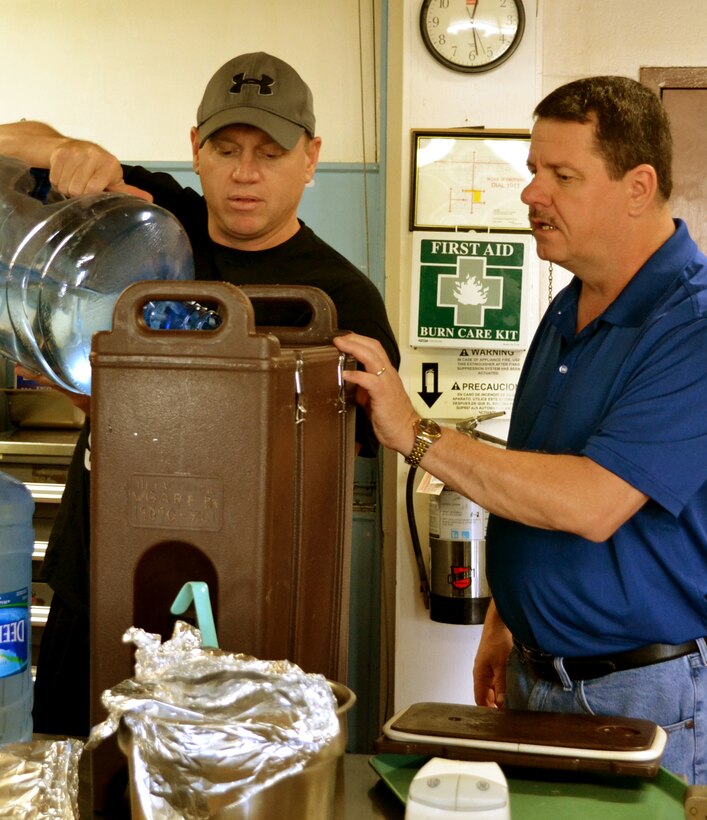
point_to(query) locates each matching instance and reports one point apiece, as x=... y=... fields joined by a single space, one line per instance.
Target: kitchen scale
x=546 y=740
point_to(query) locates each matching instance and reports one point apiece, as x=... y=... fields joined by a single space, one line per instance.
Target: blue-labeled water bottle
x=16 y=545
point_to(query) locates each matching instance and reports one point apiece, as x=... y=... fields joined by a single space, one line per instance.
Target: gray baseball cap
x=261 y=90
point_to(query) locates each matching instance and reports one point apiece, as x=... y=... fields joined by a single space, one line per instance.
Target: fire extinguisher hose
x=417 y=549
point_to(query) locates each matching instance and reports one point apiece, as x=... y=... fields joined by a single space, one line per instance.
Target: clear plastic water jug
x=63 y=264
x=16 y=545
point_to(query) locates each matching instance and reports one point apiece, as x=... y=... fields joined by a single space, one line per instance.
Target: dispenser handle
x=237 y=331
x=322 y=325
x=236 y=335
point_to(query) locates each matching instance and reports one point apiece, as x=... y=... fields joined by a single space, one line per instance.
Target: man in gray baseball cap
x=260 y=90
x=254 y=149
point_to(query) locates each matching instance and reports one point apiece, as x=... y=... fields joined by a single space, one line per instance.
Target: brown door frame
x=658 y=78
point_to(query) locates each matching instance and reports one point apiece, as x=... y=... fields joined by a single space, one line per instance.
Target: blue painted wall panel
x=343 y=199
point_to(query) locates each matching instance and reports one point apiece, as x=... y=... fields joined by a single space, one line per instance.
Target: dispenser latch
x=341 y=398
x=300 y=409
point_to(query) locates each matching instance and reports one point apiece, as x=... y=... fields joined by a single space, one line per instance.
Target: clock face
x=472 y=35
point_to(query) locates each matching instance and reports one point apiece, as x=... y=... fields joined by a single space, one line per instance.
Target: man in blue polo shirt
x=597 y=543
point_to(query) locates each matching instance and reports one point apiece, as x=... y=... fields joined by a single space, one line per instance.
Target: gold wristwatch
x=426 y=433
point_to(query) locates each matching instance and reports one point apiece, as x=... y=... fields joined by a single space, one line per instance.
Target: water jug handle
x=322 y=327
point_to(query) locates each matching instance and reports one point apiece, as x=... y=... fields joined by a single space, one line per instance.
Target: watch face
x=429 y=428
x=472 y=35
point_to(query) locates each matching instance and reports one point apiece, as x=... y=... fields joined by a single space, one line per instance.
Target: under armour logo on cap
x=239 y=80
x=281 y=106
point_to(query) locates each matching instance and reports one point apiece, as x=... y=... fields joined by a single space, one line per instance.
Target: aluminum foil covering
x=204 y=728
x=40 y=779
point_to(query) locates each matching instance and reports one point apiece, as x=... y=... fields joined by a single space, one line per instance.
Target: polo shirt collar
x=638 y=298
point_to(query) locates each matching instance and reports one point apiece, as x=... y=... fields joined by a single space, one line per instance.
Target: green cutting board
x=540 y=795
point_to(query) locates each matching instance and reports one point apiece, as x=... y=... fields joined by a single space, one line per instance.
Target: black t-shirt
x=302 y=260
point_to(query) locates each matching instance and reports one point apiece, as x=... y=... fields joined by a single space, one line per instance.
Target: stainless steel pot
x=305 y=795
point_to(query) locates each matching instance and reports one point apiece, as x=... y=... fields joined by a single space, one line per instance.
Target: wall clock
x=472 y=35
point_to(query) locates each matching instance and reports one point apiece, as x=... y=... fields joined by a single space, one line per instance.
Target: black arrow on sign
x=430 y=373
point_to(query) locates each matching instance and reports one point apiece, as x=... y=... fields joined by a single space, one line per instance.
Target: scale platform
x=544 y=740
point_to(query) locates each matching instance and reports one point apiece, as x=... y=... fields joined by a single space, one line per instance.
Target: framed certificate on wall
x=469 y=179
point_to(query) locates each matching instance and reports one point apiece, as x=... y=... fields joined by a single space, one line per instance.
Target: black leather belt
x=597 y=666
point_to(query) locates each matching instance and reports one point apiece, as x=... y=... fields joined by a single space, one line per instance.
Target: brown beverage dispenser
x=223 y=456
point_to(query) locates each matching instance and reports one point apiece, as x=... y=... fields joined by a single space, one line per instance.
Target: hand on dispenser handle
x=81 y=167
x=380 y=392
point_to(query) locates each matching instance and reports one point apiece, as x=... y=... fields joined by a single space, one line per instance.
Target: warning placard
x=464 y=383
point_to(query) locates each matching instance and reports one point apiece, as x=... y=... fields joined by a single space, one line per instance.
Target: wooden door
x=684 y=95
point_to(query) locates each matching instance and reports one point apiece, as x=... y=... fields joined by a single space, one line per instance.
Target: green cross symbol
x=470 y=292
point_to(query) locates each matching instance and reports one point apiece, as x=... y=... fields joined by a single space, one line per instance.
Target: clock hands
x=471 y=15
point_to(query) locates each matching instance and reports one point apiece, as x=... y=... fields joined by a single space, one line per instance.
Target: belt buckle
x=543 y=666
x=540 y=662
x=588 y=670
x=534 y=655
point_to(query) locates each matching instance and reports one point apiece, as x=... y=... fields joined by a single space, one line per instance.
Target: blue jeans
x=672 y=694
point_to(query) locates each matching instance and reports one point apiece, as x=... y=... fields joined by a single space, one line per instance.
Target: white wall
x=130 y=74
x=433 y=661
x=564 y=39
x=605 y=37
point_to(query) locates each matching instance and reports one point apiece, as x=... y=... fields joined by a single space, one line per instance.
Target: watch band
x=422 y=445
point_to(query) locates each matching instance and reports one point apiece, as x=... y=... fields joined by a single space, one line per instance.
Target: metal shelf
x=44 y=492
x=38 y=443
x=39 y=615
x=39 y=551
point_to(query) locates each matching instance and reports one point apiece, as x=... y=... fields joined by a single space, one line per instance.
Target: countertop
x=534 y=794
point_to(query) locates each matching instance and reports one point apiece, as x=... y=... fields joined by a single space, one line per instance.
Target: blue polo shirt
x=629 y=392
